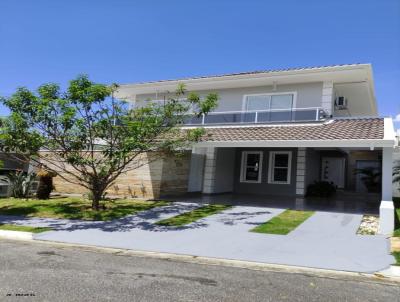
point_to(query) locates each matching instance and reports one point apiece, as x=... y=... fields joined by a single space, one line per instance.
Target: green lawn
x=74 y=208
x=194 y=215
x=23 y=228
x=397 y=257
x=396 y=232
x=284 y=223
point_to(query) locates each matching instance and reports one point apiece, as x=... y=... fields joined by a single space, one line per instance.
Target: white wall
x=358 y=97
x=308 y=95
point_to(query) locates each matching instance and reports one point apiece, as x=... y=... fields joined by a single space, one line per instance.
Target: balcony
x=313 y=114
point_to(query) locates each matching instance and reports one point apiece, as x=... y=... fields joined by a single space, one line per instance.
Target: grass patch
x=284 y=223
x=194 y=215
x=74 y=208
x=397 y=257
x=23 y=228
x=396 y=201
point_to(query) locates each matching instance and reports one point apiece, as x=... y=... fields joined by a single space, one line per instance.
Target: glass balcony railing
x=260 y=117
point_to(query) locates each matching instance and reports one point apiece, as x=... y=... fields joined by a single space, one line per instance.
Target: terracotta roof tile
x=340 y=129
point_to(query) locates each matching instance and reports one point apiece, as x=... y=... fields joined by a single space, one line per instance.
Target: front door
x=333 y=170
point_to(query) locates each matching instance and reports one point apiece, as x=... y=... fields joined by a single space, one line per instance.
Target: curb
x=17 y=235
x=392 y=272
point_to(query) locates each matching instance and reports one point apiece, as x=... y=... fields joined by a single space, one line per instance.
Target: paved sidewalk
x=325 y=240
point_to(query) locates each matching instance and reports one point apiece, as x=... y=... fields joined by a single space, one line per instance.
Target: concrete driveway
x=326 y=240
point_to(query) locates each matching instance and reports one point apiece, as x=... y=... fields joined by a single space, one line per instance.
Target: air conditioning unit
x=341 y=102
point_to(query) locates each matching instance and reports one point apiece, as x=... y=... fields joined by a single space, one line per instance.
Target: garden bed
x=284 y=223
x=369 y=225
x=23 y=228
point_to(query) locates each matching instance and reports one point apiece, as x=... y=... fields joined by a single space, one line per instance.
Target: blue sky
x=128 y=41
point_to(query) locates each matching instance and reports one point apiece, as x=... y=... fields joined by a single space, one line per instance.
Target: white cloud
x=397 y=118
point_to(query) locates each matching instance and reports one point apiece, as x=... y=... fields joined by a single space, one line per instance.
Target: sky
x=122 y=41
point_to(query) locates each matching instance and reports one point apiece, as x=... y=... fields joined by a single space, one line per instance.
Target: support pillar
x=386 y=209
x=209 y=170
x=196 y=173
x=301 y=171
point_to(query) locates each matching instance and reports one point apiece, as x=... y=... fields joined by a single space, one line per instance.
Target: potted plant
x=370 y=177
x=45 y=184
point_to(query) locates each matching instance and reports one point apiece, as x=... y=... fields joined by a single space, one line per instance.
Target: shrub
x=321 y=189
x=370 y=176
x=396 y=173
x=21 y=183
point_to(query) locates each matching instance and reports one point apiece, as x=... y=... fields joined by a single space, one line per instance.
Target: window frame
x=243 y=167
x=244 y=101
x=271 y=167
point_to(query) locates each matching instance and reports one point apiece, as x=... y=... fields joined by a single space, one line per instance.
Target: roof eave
x=349 y=143
x=126 y=90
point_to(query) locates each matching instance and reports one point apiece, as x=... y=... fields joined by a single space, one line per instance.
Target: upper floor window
x=279 y=101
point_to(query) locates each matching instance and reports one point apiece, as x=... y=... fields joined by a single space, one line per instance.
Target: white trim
x=323 y=73
x=243 y=167
x=362 y=143
x=269 y=94
x=271 y=167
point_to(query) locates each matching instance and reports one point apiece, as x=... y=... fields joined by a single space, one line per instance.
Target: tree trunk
x=97 y=194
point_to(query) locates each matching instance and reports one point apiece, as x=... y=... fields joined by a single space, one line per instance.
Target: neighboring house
x=275 y=132
x=9 y=164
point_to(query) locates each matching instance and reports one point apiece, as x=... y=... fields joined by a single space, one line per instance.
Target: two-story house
x=276 y=132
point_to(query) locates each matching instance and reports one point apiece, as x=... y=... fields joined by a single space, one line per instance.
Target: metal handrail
x=319 y=112
x=266 y=110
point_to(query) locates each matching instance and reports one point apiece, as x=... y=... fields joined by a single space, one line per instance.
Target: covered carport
x=215 y=159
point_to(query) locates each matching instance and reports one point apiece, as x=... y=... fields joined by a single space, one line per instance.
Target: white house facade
x=276 y=132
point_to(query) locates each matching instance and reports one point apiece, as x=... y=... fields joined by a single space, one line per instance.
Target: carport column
x=386 y=209
x=209 y=170
x=301 y=171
